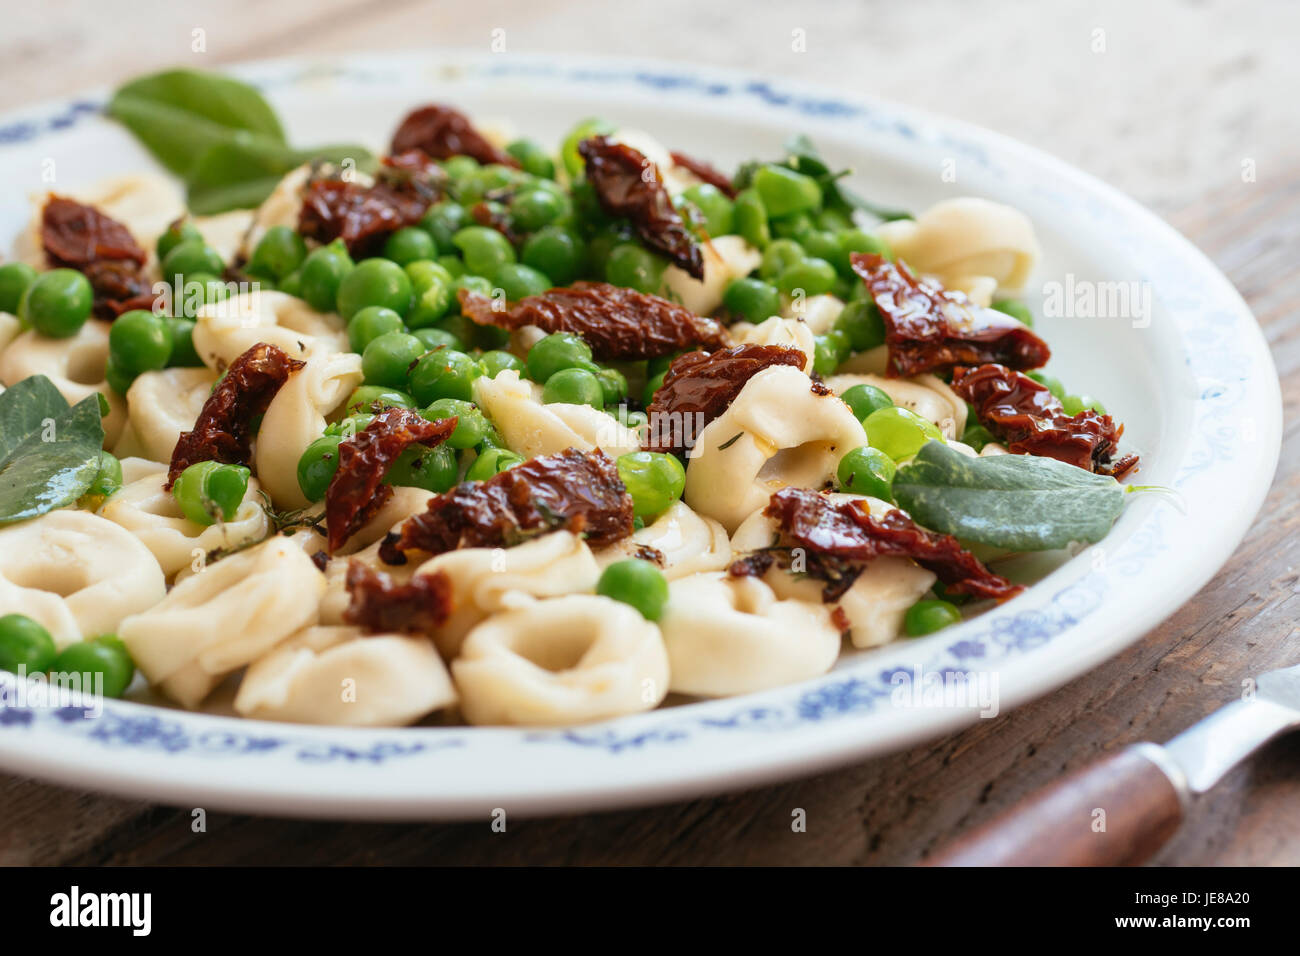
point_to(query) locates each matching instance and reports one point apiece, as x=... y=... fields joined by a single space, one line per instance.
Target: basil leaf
x=178 y=114
x=242 y=171
x=1017 y=502
x=50 y=461
x=802 y=156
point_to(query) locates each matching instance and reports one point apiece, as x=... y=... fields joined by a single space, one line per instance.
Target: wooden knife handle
x=1116 y=812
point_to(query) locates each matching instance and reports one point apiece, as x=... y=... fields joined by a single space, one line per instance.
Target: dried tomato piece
x=119 y=286
x=380 y=605
x=357 y=492
x=1031 y=421
x=846 y=532
x=76 y=235
x=928 y=328
x=617 y=323
x=492 y=216
x=630 y=187
x=442 y=132
x=699 y=386
x=415 y=173
x=706 y=172
x=224 y=429
x=572 y=490
x=362 y=216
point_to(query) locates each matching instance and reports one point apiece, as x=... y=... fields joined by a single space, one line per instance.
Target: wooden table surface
x=1178 y=96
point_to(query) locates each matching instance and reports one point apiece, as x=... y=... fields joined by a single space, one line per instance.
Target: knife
x=1120 y=810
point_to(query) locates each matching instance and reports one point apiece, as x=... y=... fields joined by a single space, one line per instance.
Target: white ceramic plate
x=1196 y=389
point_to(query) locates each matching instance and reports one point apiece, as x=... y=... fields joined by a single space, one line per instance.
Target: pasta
x=792 y=333
x=686 y=542
x=161 y=405
x=927 y=395
x=532 y=428
x=337 y=675
x=225 y=330
x=725 y=258
x=564 y=660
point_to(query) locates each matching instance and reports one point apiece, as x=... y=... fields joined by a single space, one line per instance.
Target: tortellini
x=927 y=395
x=791 y=333
x=225 y=330
x=725 y=258
x=10 y=329
x=565 y=660
x=337 y=675
x=731 y=635
x=161 y=405
x=818 y=312
x=777 y=433
x=142 y=507
x=224 y=617
x=688 y=543
x=296 y=418
x=77 y=574
x=532 y=428
x=281 y=208
x=75 y=365
x=966 y=241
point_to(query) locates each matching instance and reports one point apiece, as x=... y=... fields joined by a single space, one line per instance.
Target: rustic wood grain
x=893 y=810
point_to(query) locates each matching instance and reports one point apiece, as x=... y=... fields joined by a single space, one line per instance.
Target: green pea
x=899 y=432
x=785 y=192
x=322 y=272
x=574 y=386
x=471 y=424
x=139 y=341
x=375 y=282
x=793 y=227
x=557 y=351
x=1017 y=310
x=519 y=281
x=554 y=252
x=1075 y=404
x=976 y=435
x=813 y=276
x=497 y=361
x=432 y=286
x=435 y=338
x=317 y=465
x=862 y=323
x=491 y=462
x=105 y=657
x=820 y=244
x=779 y=256
x=750 y=218
x=479 y=284
x=865 y=399
x=57 y=303
x=855 y=240
x=532 y=158
x=484 y=250
x=191 y=256
x=718 y=211
x=459 y=167
x=197 y=290
x=109 y=478
x=532 y=209
x=372 y=397
x=585 y=129
x=182 y=230
x=15 y=277
x=830 y=350
x=291 y=284
x=613 y=385
x=652 y=385
x=442 y=221
x=444 y=373
x=752 y=299
x=653 y=480
x=433 y=469
x=637 y=583
x=119 y=380
x=833 y=220
x=477 y=184
x=454 y=265
x=409 y=244
x=867 y=471
x=926 y=617
x=370 y=323
x=636 y=421
x=633 y=267
x=388 y=359
x=1050 y=382
x=279 y=252
x=208 y=491
x=25 y=646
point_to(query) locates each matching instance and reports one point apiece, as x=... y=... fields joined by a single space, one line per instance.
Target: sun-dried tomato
x=707 y=173
x=617 y=323
x=413 y=173
x=224 y=429
x=443 y=132
x=362 y=216
x=1031 y=421
x=572 y=490
x=357 y=492
x=76 y=235
x=846 y=532
x=119 y=286
x=629 y=186
x=928 y=328
x=493 y=216
x=699 y=386
x=380 y=605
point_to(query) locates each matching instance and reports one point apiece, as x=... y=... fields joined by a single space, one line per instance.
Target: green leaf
x=178 y=114
x=802 y=156
x=49 y=455
x=1017 y=502
x=243 y=170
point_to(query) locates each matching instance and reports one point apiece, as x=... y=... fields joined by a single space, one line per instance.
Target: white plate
x=1196 y=389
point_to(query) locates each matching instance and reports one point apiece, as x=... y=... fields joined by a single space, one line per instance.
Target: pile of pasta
x=529 y=642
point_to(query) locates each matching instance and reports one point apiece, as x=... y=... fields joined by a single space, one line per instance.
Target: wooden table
x=1171 y=122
